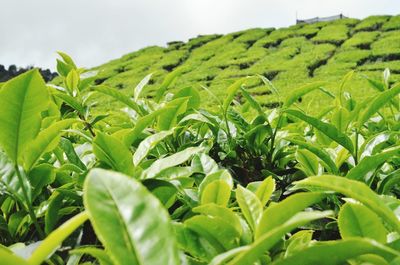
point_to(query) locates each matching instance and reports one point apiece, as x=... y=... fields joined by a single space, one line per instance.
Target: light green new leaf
x=319 y=152
x=218 y=192
x=71 y=101
x=370 y=163
x=167 y=82
x=8 y=257
x=300 y=92
x=279 y=213
x=139 y=88
x=54 y=240
x=356 y=190
x=250 y=206
x=203 y=163
x=100 y=254
x=328 y=129
x=22 y=100
x=377 y=103
x=231 y=92
x=170 y=161
x=338 y=252
x=130 y=222
x=191 y=93
x=169 y=117
x=214 y=210
x=265 y=190
x=221 y=174
x=121 y=97
x=308 y=161
x=268 y=240
x=356 y=220
x=45 y=141
x=148 y=144
x=111 y=151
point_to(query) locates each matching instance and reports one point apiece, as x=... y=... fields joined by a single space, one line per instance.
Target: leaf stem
x=28 y=205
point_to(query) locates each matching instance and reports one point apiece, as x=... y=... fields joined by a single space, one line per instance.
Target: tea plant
x=164 y=181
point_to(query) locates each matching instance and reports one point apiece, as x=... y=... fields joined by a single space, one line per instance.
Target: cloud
x=95 y=31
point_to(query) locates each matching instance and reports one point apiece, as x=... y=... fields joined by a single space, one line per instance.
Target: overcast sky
x=96 y=31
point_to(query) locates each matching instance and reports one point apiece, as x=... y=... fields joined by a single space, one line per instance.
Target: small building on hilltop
x=319 y=19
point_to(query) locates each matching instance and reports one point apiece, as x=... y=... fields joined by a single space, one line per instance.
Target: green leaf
x=218 y=192
x=8 y=257
x=356 y=220
x=253 y=103
x=338 y=252
x=111 y=151
x=191 y=93
x=167 y=82
x=356 y=190
x=169 y=117
x=148 y=144
x=39 y=177
x=117 y=95
x=319 y=152
x=231 y=92
x=265 y=190
x=203 y=163
x=341 y=118
x=214 y=210
x=54 y=240
x=45 y=141
x=100 y=254
x=370 y=163
x=250 y=206
x=268 y=240
x=130 y=222
x=219 y=175
x=308 y=161
x=329 y=130
x=279 y=213
x=300 y=92
x=71 y=101
x=67 y=59
x=22 y=100
x=139 y=88
x=170 y=161
x=132 y=134
x=377 y=103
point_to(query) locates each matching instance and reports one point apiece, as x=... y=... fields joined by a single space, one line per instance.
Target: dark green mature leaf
x=329 y=130
x=131 y=223
x=22 y=100
x=356 y=190
x=338 y=252
x=269 y=239
x=377 y=103
x=356 y=220
x=370 y=163
x=279 y=213
x=111 y=151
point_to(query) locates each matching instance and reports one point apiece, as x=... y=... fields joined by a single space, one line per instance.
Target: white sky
x=96 y=31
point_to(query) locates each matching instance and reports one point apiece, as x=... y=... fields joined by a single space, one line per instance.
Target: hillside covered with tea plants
x=289 y=57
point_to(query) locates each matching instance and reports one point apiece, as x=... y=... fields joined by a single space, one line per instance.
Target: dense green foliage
x=289 y=57
x=164 y=181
